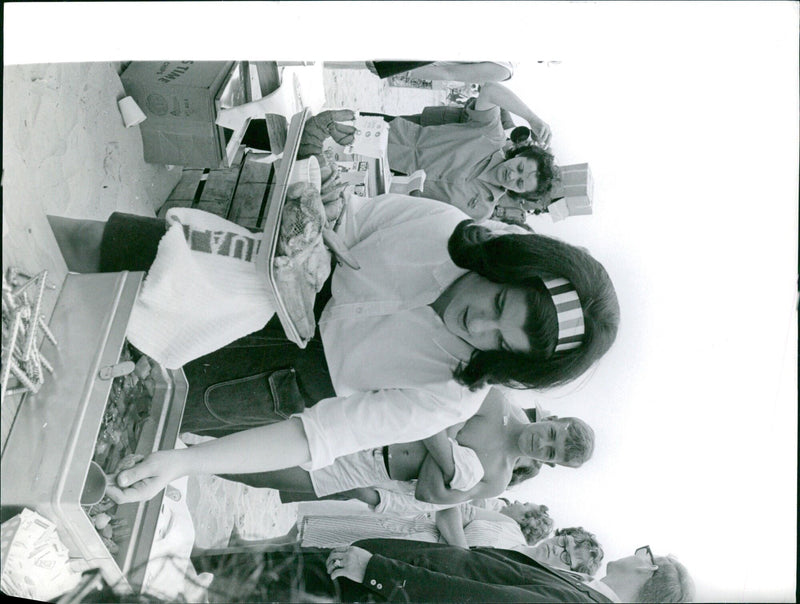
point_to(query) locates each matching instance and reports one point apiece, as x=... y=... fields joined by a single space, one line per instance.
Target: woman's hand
x=540 y=130
x=350 y=562
x=333 y=191
x=147 y=478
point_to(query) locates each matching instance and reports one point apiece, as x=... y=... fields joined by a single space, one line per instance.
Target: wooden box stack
x=237 y=193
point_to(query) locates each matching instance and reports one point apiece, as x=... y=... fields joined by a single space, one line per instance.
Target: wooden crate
x=238 y=193
x=218 y=191
x=251 y=193
x=247 y=204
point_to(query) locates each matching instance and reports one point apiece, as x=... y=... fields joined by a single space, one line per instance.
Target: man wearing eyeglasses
x=389 y=570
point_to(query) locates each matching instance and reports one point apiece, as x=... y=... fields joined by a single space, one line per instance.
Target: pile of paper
x=36 y=563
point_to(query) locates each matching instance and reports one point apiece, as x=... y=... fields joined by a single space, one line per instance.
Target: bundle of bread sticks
x=24 y=326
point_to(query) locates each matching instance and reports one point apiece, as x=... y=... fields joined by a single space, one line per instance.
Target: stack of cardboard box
x=573 y=194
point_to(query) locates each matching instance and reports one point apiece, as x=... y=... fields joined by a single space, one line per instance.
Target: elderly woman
x=439 y=309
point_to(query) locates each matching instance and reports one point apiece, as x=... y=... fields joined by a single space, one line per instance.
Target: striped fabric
x=339 y=531
x=569 y=313
x=499 y=534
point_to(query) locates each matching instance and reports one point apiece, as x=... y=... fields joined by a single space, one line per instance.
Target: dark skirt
x=259 y=379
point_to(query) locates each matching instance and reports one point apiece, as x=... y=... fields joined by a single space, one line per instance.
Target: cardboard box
x=180 y=100
x=574 y=193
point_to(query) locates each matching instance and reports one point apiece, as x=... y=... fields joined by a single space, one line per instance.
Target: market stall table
x=48 y=452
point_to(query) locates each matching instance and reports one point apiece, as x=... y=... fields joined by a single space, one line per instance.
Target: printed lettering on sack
x=221 y=243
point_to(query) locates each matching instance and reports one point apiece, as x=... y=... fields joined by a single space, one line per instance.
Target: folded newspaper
x=35 y=563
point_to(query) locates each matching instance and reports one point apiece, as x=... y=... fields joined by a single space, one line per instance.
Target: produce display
x=23 y=328
x=303 y=263
x=302 y=220
x=127 y=413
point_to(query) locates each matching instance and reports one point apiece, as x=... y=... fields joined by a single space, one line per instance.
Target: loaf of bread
x=302 y=264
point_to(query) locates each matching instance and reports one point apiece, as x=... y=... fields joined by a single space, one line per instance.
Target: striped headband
x=568 y=312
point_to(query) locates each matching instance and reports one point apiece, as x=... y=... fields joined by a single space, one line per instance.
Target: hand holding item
x=333 y=191
x=541 y=131
x=334 y=194
x=323 y=125
x=332 y=186
x=147 y=478
x=350 y=562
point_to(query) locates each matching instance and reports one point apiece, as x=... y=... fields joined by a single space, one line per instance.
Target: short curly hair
x=547 y=172
x=586 y=541
x=537 y=524
x=669 y=583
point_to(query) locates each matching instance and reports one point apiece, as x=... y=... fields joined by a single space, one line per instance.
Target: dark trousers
x=259 y=379
x=286 y=576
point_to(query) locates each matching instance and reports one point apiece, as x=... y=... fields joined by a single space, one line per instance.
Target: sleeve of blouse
x=364 y=217
x=342 y=425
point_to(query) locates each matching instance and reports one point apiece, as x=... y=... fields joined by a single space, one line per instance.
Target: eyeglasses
x=564 y=555
x=646 y=553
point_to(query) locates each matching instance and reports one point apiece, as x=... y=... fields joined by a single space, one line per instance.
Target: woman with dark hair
x=439 y=309
x=547 y=171
x=525 y=261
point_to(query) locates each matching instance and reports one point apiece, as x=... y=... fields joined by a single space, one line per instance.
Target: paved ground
x=67 y=152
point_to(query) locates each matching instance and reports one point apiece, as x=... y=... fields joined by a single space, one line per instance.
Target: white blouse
x=390 y=356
